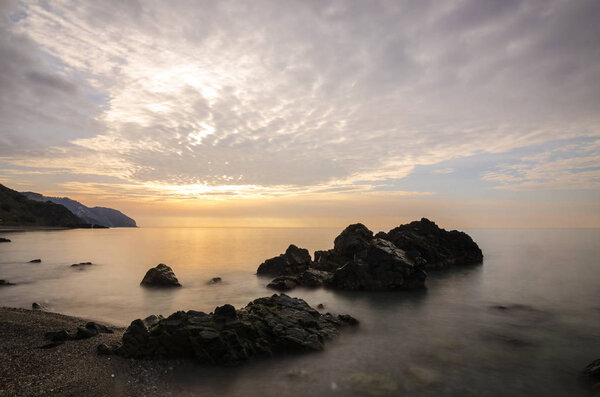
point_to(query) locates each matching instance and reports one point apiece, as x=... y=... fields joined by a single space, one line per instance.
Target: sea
x=525 y=322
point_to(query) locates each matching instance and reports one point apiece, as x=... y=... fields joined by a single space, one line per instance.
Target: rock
x=266 y=326
x=378 y=265
x=284 y=283
x=103 y=349
x=435 y=248
x=58 y=336
x=37 y=306
x=372 y=384
x=328 y=261
x=592 y=370
x=81 y=264
x=5 y=283
x=160 y=276
x=215 y=280
x=320 y=306
x=314 y=278
x=294 y=261
x=4 y=240
x=353 y=241
x=35 y=261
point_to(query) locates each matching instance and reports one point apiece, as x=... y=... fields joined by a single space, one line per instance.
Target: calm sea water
x=449 y=339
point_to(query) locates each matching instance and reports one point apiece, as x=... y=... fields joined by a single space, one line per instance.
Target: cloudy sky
x=301 y=113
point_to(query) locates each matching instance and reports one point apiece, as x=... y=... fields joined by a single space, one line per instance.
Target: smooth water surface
x=450 y=339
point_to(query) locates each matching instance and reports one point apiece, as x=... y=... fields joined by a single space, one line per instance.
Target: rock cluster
x=89 y=330
x=361 y=261
x=265 y=327
x=160 y=276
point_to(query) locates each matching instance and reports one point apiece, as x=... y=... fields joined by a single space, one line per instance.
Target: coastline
x=73 y=368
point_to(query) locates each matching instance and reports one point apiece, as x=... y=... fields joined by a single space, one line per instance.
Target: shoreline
x=73 y=368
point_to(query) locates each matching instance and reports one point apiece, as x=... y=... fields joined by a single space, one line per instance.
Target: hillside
x=95 y=215
x=18 y=210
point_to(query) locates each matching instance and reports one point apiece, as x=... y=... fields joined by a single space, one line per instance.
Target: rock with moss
x=267 y=326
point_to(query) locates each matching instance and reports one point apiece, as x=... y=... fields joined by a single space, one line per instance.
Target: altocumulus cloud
x=298 y=96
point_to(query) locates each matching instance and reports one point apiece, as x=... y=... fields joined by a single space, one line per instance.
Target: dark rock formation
x=18 y=210
x=160 y=276
x=5 y=283
x=309 y=278
x=4 y=240
x=593 y=370
x=435 y=248
x=215 y=280
x=81 y=264
x=265 y=327
x=106 y=217
x=35 y=261
x=294 y=261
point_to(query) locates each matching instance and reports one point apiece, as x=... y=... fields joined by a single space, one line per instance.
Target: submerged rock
x=266 y=326
x=4 y=240
x=284 y=283
x=81 y=264
x=6 y=283
x=215 y=280
x=160 y=276
x=434 y=247
x=35 y=261
x=294 y=261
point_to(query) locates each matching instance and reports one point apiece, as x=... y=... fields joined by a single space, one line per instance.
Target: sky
x=472 y=113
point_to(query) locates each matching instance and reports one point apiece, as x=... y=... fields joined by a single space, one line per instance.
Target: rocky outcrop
x=436 y=248
x=294 y=261
x=4 y=240
x=265 y=327
x=160 y=276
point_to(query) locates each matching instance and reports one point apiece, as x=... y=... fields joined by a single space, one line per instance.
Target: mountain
x=96 y=216
x=18 y=210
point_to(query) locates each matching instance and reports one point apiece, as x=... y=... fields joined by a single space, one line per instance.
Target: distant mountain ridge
x=96 y=215
x=17 y=210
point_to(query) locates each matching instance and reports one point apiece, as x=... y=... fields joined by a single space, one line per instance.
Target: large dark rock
x=265 y=327
x=368 y=263
x=294 y=261
x=426 y=243
x=160 y=276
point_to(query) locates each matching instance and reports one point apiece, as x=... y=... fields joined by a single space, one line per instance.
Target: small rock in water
x=5 y=282
x=35 y=261
x=160 y=276
x=215 y=280
x=4 y=240
x=81 y=264
x=37 y=306
x=320 y=306
x=283 y=283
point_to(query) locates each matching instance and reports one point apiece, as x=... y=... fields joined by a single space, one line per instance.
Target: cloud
x=273 y=97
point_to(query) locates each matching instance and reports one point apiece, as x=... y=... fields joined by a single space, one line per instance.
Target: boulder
x=160 y=276
x=35 y=261
x=284 y=283
x=4 y=240
x=427 y=244
x=265 y=327
x=294 y=261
